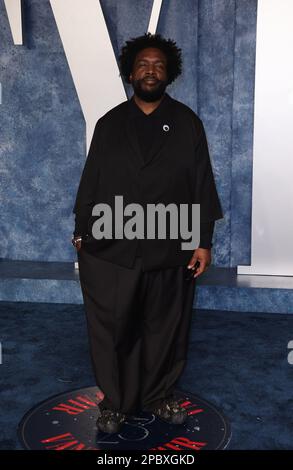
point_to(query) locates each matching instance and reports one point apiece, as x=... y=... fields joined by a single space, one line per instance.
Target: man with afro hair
x=138 y=293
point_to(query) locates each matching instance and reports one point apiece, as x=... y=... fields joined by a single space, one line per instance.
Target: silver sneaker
x=110 y=421
x=170 y=411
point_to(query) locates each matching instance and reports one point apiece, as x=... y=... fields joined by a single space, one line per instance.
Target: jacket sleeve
x=206 y=234
x=205 y=188
x=85 y=198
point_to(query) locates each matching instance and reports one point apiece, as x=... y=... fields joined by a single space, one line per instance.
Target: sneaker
x=110 y=421
x=170 y=411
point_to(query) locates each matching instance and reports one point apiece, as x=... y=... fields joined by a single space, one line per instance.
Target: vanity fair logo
x=158 y=218
x=68 y=422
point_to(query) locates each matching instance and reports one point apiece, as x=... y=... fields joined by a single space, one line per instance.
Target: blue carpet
x=238 y=361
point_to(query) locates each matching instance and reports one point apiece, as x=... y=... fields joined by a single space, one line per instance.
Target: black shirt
x=148 y=128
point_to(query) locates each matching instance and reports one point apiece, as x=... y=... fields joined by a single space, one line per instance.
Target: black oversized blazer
x=177 y=170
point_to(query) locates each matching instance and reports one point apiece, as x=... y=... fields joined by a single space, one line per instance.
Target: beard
x=149 y=94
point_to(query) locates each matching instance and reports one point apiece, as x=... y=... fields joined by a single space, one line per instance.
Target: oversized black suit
x=139 y=304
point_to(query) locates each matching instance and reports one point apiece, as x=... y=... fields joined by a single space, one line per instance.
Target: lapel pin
x=166 y=127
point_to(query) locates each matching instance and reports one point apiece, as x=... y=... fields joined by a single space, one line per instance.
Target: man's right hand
x=78 y=245
x=76 y=242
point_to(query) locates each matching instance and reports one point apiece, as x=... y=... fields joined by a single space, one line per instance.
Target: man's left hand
x=203 y=255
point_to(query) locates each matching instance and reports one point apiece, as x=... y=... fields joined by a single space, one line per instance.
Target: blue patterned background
x=42 y=143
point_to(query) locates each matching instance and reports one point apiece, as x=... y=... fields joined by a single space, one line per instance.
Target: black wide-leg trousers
x=138 y=326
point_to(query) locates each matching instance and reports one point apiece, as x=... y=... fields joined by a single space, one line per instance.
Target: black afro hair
x=135 y=45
